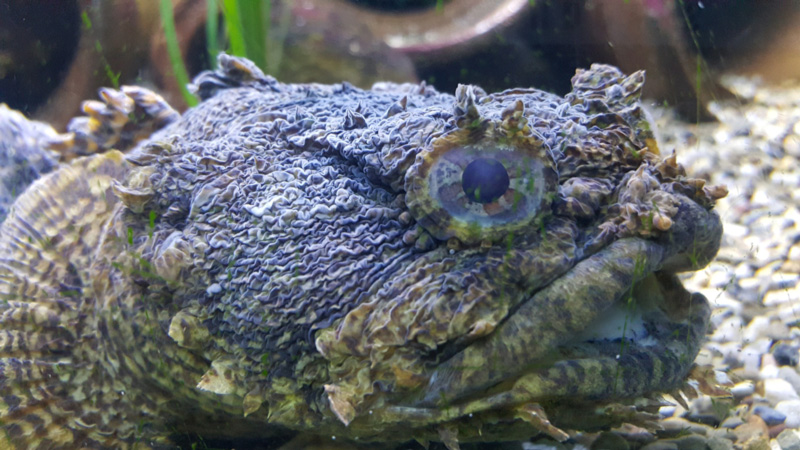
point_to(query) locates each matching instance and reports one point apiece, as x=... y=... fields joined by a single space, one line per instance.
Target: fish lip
x=525 y=337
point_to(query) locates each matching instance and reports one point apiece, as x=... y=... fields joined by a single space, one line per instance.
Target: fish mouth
x=618 y=324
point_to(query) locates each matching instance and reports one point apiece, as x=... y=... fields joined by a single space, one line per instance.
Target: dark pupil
x=484 y=180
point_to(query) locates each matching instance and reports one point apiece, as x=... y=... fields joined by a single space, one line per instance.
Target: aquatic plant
x=247 y=25
x=176 y=60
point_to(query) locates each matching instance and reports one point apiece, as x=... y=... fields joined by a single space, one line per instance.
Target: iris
x=484 y=180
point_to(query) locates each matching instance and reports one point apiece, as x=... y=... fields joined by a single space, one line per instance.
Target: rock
x=731 y=422
x=632 y=433
x=790 y=408
x=785 y=282
x=691 y=442
x=776 y=390
x=707 y=411
x=769 y=368
x=775 y=430
x=770 y=416
x=751 y=362
x=661 y=445
x=757 y=443
x=743 y=389
x=667 y=411
x=730 y=330
x=789 y=315
x=678 y=427
x=610 y=441
x=744 y=269
x=763 y=327
x=543 y=444
x=754 y=427
x=786 y=355
x=790 y=375
x=789 y=440
x=778 y=297
x=718 y=443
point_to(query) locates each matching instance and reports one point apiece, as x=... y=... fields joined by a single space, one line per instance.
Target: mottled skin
x=23 y=157
x=298 y=257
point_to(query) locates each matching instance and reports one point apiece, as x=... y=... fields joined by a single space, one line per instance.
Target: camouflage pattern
x=300 y=257
x=23 y=155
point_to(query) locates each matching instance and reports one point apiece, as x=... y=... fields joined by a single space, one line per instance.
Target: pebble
x=731 y=422
x=610 y=441
x=776 y=390
x=754 y=427
x=770 y=416
x=786 y=355
x=679 y=426
x=719 y=443
x=779 y=297
x=632 y=433
x=729 y=330
x=706 y=410
x=660 y=445
x=789 y=440
x=791 y=376
x=666 y=411
x=743 y=389
x=790 y=408
x=691 y=442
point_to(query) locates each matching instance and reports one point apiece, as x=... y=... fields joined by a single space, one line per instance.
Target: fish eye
x=484 y=180
x=480 y=190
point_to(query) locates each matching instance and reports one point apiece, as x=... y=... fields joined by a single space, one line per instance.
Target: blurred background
x=56 y=53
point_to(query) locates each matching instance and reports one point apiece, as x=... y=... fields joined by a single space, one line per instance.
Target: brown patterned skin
x=303 y=257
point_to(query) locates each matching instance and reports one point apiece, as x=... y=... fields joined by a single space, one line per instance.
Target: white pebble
x=794 y=253
x=790 y=408
x=758 y=327
x=779 y=297
x=736 y=231
x=743 y=389
x=743 y=270
x=777 y=390
x=789 y=374
x=720 y=279
x=769 y=368
x=784 y=280
x=730 y=330
x=751 y=362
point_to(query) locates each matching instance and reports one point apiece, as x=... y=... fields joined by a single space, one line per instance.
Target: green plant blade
x=212 y=30
x=255 y=26
x=174 y=51
x=233 y=24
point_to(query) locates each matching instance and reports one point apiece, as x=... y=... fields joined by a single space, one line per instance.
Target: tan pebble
x=791 y=266
x=757 y=443
x=753 y=428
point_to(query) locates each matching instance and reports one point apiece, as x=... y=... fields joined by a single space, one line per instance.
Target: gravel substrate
x=754 y=149
x=753 y=284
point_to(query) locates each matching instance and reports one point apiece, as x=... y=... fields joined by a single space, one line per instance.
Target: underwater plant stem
x=174 y=51
x=233 y=24
x=255 y=26
x=212 y=29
